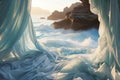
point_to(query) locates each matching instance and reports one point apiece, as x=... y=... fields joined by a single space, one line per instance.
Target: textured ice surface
x=58 y=54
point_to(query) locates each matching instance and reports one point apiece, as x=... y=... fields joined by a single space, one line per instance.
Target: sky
x=52 y=5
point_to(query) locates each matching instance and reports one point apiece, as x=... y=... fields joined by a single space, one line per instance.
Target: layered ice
x=108 y=49
x=58 y=54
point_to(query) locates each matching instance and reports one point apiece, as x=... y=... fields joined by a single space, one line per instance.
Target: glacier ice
x=108 y=49
x=22 y=57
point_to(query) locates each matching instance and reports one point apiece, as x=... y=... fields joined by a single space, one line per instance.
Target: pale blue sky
x=52 y=5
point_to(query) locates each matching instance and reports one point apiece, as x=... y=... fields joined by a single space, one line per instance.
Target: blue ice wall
x=17 y=39
x=21 y=56
x=16 y=29
x=109 y=46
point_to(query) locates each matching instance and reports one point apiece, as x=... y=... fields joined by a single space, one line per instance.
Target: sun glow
x=53 y=5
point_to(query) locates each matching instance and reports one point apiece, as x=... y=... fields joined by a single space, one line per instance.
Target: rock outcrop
x=80 y=18
x=60 y=15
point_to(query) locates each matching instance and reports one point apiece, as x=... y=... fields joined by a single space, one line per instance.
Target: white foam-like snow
x=66 y=41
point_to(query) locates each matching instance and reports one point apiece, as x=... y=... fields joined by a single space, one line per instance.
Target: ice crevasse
x=23 y=58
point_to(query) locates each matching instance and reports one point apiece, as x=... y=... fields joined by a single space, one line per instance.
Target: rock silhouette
x=80 y=18
x=61 y=15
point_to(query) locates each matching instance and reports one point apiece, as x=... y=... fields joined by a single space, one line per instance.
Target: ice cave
x=23 y=57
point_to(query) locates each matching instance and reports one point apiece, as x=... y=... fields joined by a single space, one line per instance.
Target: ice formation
x=108 y=49
x=23 y=58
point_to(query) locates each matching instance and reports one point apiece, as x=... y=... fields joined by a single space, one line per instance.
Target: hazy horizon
x=53 y=5
x=39 y=11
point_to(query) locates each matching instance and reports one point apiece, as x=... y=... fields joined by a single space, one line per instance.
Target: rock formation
x=80 y=18
x=60 y=15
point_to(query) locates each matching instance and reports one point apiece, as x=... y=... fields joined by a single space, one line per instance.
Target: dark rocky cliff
x=61 y=15
x=80 y=18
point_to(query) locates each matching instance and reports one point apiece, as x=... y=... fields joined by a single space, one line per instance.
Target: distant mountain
x=39 y=11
